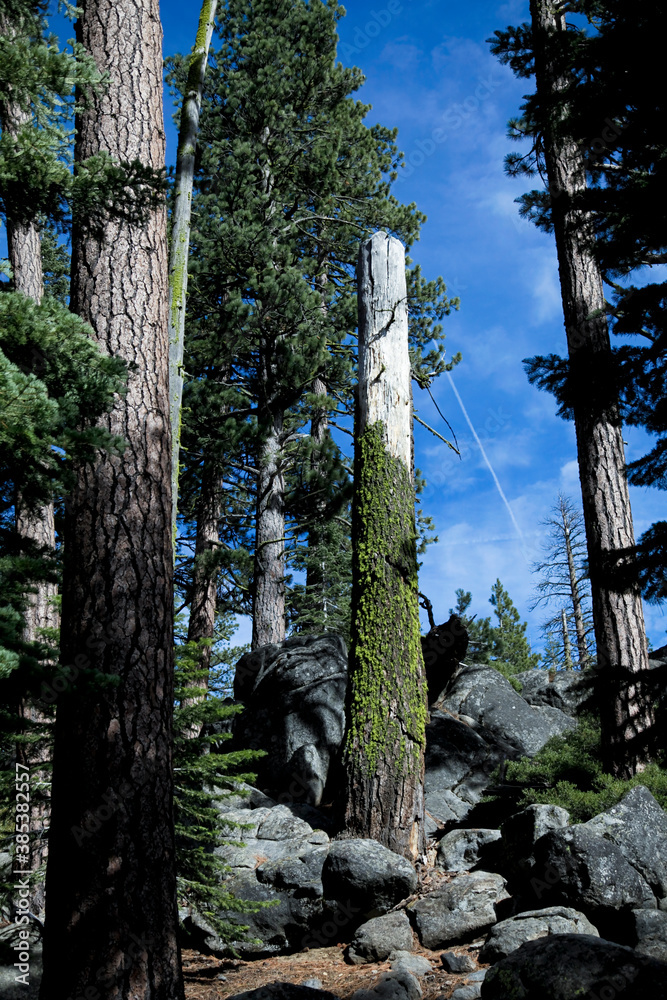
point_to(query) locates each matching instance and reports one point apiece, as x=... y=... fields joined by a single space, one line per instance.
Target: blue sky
x=429 y=72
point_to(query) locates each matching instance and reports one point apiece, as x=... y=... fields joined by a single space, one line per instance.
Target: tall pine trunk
x=111 y=915
x=180 y=231
x=268 y=620
x=617 y=610
x=316 y=568
x=386 y=701
x=201 y=623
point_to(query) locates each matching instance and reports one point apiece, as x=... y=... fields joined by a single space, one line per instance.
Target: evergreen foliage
x=571 y=766
x=503 y=646
x=615 y=116
x=204 y=775
x=289 y=181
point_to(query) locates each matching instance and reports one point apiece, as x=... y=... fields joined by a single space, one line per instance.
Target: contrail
x=490 y=468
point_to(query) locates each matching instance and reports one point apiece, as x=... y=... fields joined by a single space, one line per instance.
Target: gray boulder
x=460 y=759
x=570 y=966
x=307 y=677
x=460 y=850
x=565 y=692
x=459 y=910
x=521 y=831
x=392 y=986
x=375 y=940
x=284 y=991
x=508 y=935
x=288 y=924
x=651 y=933
x=456 y=963
x=470 y=992
x=416 y=965
x=366 y=877
x=637 y=825
x=484 y=695
x=575 y=867
x=298 y=873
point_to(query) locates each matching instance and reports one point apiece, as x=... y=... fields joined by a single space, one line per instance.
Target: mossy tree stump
x=386 y=702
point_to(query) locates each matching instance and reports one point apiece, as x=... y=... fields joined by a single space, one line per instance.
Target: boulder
x=284 y=991
x=566 y=692
x=460 y=759
x=456 y=963
x=392 y=986
x=288 y=924
x=459 y=910
x=416 y=965
x=375 y=940
x=461 y=850
x=521 y=831
x=484 y=695
x=637 y=825
x=443 y=648
x=575 y=867
x=651 y=933
x=297 y=873
x=508 y=935
x=470 y=992
x=307 y=677
x=366 y=877
x=570 y=966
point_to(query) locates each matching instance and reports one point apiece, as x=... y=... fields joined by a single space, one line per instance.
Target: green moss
x=387 y=710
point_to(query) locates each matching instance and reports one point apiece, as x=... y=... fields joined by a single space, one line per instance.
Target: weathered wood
x=386 y=702
x=385 y=394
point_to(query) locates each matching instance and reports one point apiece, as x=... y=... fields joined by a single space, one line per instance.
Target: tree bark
x=268 y=620
x=617 y=610
x=316 y=568
x=201 y=623
x=111 y=915
x=386 y=701
x=180 y=233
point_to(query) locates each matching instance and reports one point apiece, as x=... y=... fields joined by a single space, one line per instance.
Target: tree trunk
x=111 y=915
x=201 y=623
x=386 y=702
x=617 y=611
x=268 y=621
x=577 y=609
x=180 y=232
x=316 y=568
x=567 y=646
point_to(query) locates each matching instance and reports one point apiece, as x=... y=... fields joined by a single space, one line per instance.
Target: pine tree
x=111 y=914
x=545 y=48
x=510 y=652
x=280 y=204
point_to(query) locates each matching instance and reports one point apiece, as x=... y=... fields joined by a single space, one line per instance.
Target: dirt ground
x=209 y=978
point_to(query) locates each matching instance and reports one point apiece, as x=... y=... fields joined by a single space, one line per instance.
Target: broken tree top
x=384 y=363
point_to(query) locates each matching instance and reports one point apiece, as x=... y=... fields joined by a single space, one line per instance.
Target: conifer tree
x=511 y=649
x=281 y=201
x=111 y=914
x=546 y=48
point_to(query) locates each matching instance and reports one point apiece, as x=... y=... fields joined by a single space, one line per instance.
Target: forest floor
x=210 y=978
